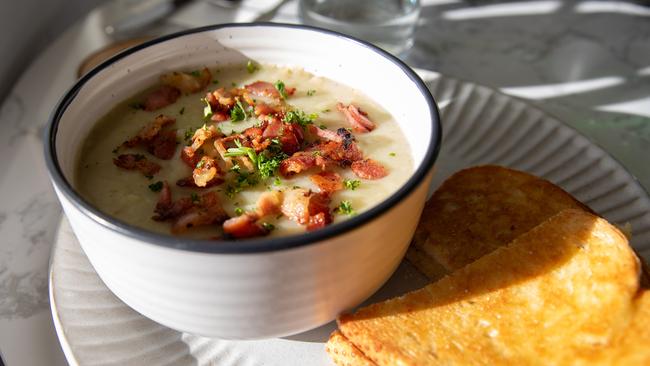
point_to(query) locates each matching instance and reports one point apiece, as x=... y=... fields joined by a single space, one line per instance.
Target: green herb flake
x=136 y=105
x=181 y=111
x=195 y=197
x=300 y=117
x=156 y=187
x=325 y=110
x=311 y=92
x=115 y=150
x=281 y=88
x=238 y=113
x=200 y=164
x=391 y=154
x=149 y=176
x=252 y=66
x=345 y=208
x=207 y=110
x=196 y=73
x=239 y=211
x=277 y=181
x=268 y=226
x=322 y=127
x=233 y=84
x=351 y=184
x=215 y=81
x=189 y=133
x=241 y=150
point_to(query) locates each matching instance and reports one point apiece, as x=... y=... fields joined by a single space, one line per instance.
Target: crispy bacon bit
x=137 y=162
x=263 y=89
x=300 y=205
x=205 y=171
x=291 y=138
x=244 y=226
x=150 y=131
x=166 y=209
x=318 y=221
x=219 y=116
x=297 y=163
x=356 y=117
x=188 y=83
x=327 y=182
x=221 y=100
x=324 y=134
x=263 y=109
x=369 y=169
x=189 y=157
x=188 y=182
x=269 y=203
x=161 y=97
x=163 y=146
x=206 y=210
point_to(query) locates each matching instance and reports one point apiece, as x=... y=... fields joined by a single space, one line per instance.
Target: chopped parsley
x=156 y=187
x=266 y=162
x=252 y=66
x=351 y=184
x=300 y=117
x=242 y=150
x=196 y=73
x=268 y=226
x=200 y=164
x=281 y=88
x=311 y=92
x=136 y=105
x=189 y=133
x=392 y=154
x=325 y=110
x=233 y=84
x=195 y=197
x=238 y=113
x=322 y=127
x=181 y=111
x=207 y=110
x=239 y=211
x=215 y=81
x=277 y=181
x=345 y=208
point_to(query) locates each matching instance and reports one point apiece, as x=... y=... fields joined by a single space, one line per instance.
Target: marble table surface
x=586 y=62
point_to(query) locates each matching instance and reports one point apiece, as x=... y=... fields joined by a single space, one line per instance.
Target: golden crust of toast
x=344 y=353
x=557 y=294
x=480 y=209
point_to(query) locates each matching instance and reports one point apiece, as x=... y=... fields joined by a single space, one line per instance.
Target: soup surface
x=242 y=151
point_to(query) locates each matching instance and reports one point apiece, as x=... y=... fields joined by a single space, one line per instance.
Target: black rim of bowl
x=254 y=245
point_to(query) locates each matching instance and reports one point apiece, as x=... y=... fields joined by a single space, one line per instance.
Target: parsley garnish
x=200 y=164
x=181 y=111
x=268 y=226
x=207 y=110
x=322 y=127
x=239 y=211
x=215 y=81
x=195 y=197
x=242 y=150
x=233 y=84
x=156 y=187
x=196 y=73
x=268 y=165
x=325 y=110
x=345 y=208
x=189 y=133
x=351 y=184
x=252 y=66
x=238 y=113
x=300 y=117
x=311 y=92
x=277 y=181
x=392 y=154
x=281 y=88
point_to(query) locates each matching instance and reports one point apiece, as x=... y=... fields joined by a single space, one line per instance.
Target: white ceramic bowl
x=260 y=287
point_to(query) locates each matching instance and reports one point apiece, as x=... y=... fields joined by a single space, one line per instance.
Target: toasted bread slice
x=480 y=209
x=344 y=353
x=557 y=294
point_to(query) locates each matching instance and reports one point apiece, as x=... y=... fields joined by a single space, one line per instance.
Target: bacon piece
x=189 y=157
x=188 y=182
x=368 y=169
x=327 y=182
x=325 y=134
x=318 y=221
x=263 y=109
x=291 y=138
x=221 y=99
x=161 y=97
x=150 y=130
x=263 y=89
x=166 y=209
x=300 y=205
x=219 y=116
x=206 y=210
x=187 y=82
x=205 y=171
x=297 y=163
x=163 y=146
x=269 y=203
x=244 y=226
x=274 y=128
x=356 y=117
x=137 y=162
x=343 y=153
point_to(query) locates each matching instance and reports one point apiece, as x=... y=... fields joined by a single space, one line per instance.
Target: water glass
x=389 y=24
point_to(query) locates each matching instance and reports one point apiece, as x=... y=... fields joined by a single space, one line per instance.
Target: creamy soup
x=305 y=143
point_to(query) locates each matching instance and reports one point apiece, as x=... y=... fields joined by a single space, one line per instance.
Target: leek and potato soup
x=242 y=151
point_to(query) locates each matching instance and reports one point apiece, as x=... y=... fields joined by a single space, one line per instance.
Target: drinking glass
x=389 y=24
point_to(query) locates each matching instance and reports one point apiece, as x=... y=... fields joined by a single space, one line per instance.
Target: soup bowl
x=263 y=287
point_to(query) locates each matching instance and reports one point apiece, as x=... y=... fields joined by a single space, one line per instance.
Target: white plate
x=480 y=126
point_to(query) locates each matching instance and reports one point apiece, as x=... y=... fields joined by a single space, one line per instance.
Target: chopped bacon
x=327 y=182
x=221 y=100
x=290 y=91
x=263 y=109
x=188 y=182
x=297 y=163
x=188 y=83
x=369 y=169
x=244 y=226
x=318 y=221
x=206 y=210
x=300 y=205
x=291 y=138
x=150 y=131
x=161 y=97
x=166 y=209
x=356 y=117
x=189 y=157
x=325 y=134
x=269 y=203
x=137 y=162
x=274 y=128
x=205 y=171
x=163 y=146
x=263 y=89
x=219 y=116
